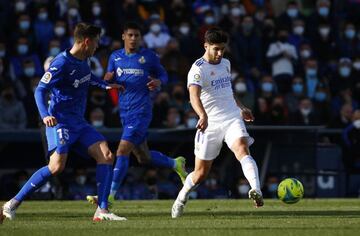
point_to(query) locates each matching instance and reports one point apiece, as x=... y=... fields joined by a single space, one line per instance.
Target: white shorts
x=208 y=144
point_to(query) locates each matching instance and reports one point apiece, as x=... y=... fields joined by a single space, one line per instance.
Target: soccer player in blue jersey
x=139 y=71
x=67 y=80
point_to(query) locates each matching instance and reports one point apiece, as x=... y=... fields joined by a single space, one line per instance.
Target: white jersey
x=216 y=91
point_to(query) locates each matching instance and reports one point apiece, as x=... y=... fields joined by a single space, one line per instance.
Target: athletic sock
x=158 y=159
x=250 y=170
x=187 y=188
x=120 y=171
x=39 y=178
x=103 y=178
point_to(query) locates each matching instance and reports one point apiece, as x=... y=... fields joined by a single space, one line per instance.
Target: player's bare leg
x=201 y=171
x=241 y=150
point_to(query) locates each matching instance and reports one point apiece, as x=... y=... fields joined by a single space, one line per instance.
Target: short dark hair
x=215 y=35
x=86 y=30
x=131 y=25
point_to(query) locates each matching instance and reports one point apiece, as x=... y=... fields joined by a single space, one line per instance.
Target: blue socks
x=120 y=171
x=160 y=160
x=103 y=179
x=39 y=178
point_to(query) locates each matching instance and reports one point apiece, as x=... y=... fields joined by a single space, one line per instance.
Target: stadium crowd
x=293 y=62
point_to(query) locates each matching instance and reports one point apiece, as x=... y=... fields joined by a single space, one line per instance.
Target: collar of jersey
x=141 y=49
x=68 y=55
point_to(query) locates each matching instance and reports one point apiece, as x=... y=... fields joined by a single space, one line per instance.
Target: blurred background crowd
x=294 y=62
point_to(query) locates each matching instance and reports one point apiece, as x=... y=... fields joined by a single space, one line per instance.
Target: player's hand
x=115 y=86
x=50 y=121
x=153 y=84
x=108 y=76
x=202 y=123
x=247 y=114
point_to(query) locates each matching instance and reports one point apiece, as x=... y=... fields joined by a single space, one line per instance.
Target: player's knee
x=56 y=169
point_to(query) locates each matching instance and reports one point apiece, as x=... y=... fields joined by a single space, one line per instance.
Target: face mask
x=323 y=11
x=357 y=124
x=209 y=20
x=98 y=72
x=345 y=71
x=96 y=10
x=247 y=27
x=272 y=188
x=260 y=16
x=191 y=122
x=243 y=189
x=81 y=179
x=59 y=31
x=22 y=49
x=177 y=120
x=299 y=30
x=29 y=71
x=240 y=87
x=73 y=12
x=324 y=31
x=155 y=28
x=267 y=87
x=235 y=11
x=20 y=6
x=350 y=33
x=298 y=88
x=24 y=24
x=54 y=51
x=305 y=111
x=43 y=16
x=320 y=96
x=97 y=123
x=356 y=65
x=2 y=53
x=184 y=30
x=305 y=53
x=311 y=72
x=292 y=12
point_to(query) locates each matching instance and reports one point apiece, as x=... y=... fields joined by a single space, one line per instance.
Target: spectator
x=12 y=111
x=292 y=12
x=342 y=119
x=43 y=30
x=298 y=91
x=351 y=139
x=282 y=56
x=244 y=92
x=305 y=115
x=156 y=39
x=82 y=187
x=97 y=118
x=173 y=119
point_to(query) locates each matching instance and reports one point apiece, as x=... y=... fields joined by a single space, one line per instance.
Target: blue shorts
x=135 y=128
x=62 y=138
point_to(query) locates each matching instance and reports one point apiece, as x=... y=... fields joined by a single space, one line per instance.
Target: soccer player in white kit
x=221 y=118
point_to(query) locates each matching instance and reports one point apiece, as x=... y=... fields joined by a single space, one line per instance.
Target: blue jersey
x=67 y=79
x=133 y=71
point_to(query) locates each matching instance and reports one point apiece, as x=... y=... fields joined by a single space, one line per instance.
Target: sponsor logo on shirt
x=46 y=78
x=84 y=79
x=221 y=83
x=129 y=71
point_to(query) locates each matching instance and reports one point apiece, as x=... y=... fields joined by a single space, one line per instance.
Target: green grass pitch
x=202 y=217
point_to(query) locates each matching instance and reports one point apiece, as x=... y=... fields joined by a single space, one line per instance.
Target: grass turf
x=202 y=217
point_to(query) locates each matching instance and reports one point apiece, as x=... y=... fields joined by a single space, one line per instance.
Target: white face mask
x=357 y=124
x=305 y=53
x=243 y=189
x=81 y=179
x=98 y=123
x=155 y=28
x=96 y=10
x=305 y=111
x=59 y=31
x=192 y=122
x=324 y=31
x=43 y=15
x=235 y=11
x=356 y=65
x=209 y=20
x=184 y=30
x=20 y=6
x=73 y=12
x=177 y=120
x=240 y=87
x=299 y=30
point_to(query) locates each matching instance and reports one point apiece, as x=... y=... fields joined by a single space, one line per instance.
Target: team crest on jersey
x=62 y=141
x=142 y=60
x=46 y=78
x=197 y=77
x=119 y=71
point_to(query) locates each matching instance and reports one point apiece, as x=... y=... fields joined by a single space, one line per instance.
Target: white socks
x=187 y=188
x=251 y=172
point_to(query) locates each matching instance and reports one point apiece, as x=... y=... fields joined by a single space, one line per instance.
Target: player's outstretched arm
x=245 y=112
x=198 y=107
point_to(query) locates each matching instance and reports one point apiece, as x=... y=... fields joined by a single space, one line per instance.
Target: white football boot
x=8 y=211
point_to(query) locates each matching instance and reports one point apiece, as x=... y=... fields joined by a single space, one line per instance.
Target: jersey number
x=63 y=134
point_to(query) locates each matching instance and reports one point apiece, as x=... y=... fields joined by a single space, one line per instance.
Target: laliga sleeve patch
x=46 y=78
x=197 y=77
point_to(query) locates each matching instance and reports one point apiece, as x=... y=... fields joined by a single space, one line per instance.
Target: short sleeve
x=110 y=66
x=53 y=75
x=195 y=76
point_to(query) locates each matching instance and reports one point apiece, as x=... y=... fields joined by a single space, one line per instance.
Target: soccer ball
x=290 y=190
